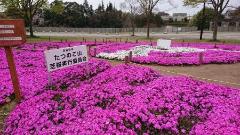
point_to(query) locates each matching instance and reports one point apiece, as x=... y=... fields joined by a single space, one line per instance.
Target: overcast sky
x=176 y=7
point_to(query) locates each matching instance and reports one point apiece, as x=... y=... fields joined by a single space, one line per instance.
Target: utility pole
x=203 y=20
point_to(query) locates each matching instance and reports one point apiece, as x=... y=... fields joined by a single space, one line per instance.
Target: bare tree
x=133 y=8
x=24 y=8
x=218 y=5
x=194 y=3
x=147 y=7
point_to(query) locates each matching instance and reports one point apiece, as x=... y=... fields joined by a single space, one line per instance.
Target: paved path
x=181 y=35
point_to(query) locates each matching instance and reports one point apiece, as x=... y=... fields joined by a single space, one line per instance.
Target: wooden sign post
x=12 y=33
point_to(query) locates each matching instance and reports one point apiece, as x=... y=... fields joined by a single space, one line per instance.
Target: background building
x=179 y=16
x=165 y=16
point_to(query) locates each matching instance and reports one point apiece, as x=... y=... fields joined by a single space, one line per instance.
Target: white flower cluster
x=144 y=50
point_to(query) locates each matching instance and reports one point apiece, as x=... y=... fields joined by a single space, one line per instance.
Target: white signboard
x=164 y=44
x=65 y=57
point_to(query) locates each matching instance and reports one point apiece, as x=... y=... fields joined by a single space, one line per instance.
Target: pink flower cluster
x=95 y=98
x=209 y=56
x=223 y=46
x=33 y=75
x=130 y=100
x=215 y=54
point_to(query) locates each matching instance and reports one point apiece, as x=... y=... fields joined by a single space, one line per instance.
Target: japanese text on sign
x=65 y=57
x=6 y=32
x=7 y=26
x=12 y=32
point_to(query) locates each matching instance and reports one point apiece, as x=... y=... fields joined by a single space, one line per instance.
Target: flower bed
x=179 y=54
x=130 y=100
x=95 y=98
x=31 y=65
x=33 y=74
x=145 y=51
x=209 y=56
x=222 y=46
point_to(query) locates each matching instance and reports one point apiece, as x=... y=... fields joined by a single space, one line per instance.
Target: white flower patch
x=181 y=50
x=144 y=50
x=119 y=55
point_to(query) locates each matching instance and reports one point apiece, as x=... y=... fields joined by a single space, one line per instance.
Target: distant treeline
x=73 y=14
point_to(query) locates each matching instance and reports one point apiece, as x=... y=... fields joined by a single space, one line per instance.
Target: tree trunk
x=215 y=28
x=133 y=31
x=203 y=21
x=31 y=20
x=31 y=28
x=133 y=27
x=148 y=26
